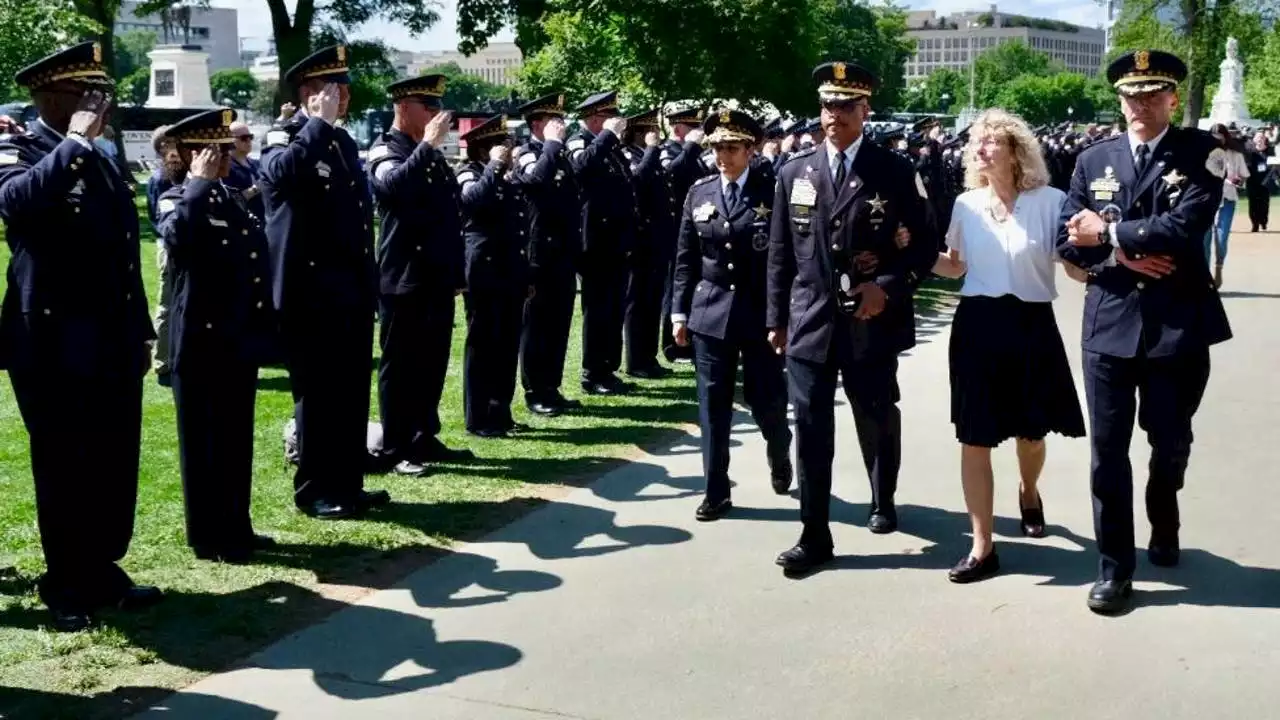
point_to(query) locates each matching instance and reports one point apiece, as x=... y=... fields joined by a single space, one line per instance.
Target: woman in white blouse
x=1009 y=371
x=1227 y=161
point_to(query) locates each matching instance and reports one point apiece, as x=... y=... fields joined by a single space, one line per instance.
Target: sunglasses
x=840 y=106
x=244 y=137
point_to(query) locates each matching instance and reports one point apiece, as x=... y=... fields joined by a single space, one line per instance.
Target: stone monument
x=179 y=78
x=1228 y=102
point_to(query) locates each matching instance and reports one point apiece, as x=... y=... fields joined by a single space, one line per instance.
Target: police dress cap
x=924 y=124
x=843 y=81
x=605 y=103
x=687 y=116
x=773 y=129
x=489 y=132
x=552 y=104
x=79 y=63
x=426 y=88
x=1146 y=71
x=328 y=64
x=647 y=120
x=211 y=127
x=732 y=126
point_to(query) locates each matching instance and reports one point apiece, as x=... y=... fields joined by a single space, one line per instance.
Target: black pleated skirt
x=1009 y=373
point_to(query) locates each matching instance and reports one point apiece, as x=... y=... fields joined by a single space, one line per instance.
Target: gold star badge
x=1173 y=177
x=877 y=205
x=763 y=212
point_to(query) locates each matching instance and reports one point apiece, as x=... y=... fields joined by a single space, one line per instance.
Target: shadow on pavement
x=20 y=703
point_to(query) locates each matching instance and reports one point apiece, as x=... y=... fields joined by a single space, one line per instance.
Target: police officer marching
x=608 y=235
x=497 y=271
x=319 y=225
x=420 y=264
x=543 y=171
x=720 y=306
x=681 y=158
x=1135 y=220
x=223 y=328
x=74 y=333
x=840 y=300
x=653 y=249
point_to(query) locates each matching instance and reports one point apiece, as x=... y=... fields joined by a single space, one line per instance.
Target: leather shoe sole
x=544 y=409
x=709 y=511
x=409 y=468
x=800 y=561
x=1110 y=598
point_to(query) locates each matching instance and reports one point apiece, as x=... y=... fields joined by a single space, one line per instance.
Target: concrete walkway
x=614 y=604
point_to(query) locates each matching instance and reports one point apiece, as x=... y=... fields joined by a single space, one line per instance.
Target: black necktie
x=1144 y=152
x=731 y=196
x=840 y=171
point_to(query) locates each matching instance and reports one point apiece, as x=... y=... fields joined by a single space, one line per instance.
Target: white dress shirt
x=1014 y=257
x=1134 y=142
x=850 y=153
x=725 y=182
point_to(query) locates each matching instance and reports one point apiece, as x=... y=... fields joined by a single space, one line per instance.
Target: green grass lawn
x=216 y=614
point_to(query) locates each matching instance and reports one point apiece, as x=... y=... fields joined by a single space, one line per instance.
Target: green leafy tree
x=1002 y=64
x=463 y=91
x=32 y=29
x=133 y=65
x=1046 y=99
x=943 y=91
x=1262 y=79
x=263 y=103
x=874 y=37
x=234 y=87
x=371 y=69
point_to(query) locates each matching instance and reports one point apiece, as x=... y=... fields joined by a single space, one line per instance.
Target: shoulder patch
x=577 y=143
x=378 y=153
x=278 y=138
x=527 y=159
x=920 y=187
x=9 y=157
x=166 y=206
x=705 y=179
x=804 y=153
x=466 y=176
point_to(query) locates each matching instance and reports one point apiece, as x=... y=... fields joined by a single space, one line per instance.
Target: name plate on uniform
x=803 y=193
x=1105 y=188
x=704 y=212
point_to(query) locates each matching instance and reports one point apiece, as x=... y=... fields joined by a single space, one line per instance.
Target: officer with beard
x=654 y=246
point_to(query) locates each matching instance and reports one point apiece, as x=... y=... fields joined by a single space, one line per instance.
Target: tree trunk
x=293 y=41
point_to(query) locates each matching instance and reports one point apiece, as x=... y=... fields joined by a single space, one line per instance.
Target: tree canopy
x=463 y=91
x=235 y=87
x=32 y=29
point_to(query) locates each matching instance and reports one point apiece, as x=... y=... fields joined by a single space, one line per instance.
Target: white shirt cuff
x=679 y=318
x=1111 y=233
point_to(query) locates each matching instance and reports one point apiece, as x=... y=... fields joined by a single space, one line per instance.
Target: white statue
x=1228 y=102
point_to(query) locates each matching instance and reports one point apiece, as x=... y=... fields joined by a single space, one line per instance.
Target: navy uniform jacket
x=722 y=259
x=244 y=179
x=764 y=166
x=683 y=163
x=608 y=201
x=495 y=227
x=319 y=219
x=656 y=224
x=863 y=217
x=222 y=311
x=554 y=205
x=74 y=302
x=421 y=235
x=1167 y=212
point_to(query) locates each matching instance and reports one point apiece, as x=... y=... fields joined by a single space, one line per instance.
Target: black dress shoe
x=488 y=433
x=70 y=621
x=545 y=409
x=436 y=451
x=517 y=427
x=1164 y=552
x=164 y=380
x=970 y=569
x=370 y=499
x=1032 y=519
x=780 y=474
x=565 y=403
x=410 y=468
x=139 y=597
x=882 y=523
x=656 y=372
x=325 y=510
x=1110 y=596
x=596 y=388
x=801 y=560
x=709 y=510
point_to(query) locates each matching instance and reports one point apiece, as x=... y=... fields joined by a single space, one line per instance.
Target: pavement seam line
x=343 y=677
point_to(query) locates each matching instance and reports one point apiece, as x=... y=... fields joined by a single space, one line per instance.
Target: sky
x=255 y=20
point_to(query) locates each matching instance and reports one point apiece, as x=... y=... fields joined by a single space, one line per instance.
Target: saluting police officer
x=420 y=263
x=74 y=334
x=720 y=301
x=542 y=169
x=497 y=237
x=681 y=158
x=608 y=236
x=221 y=331
x=839 y=299
x=1135 y=219
x=654 y=246
x=319 y=224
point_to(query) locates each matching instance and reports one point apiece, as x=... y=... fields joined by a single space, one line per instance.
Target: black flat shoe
x=544 y=409
x=436 y=451
x=801 y=560
x=325 y=510
x=593 y=388
x=139 y=597
x=69 y=621
x=565 y=403
x=488 y=433
x=410 y=468
x=1109 y=597
x=371 y=499
x=709 y=511
x=657 y=372
x=1032 y=519
x=970 y=569
x=1164 y=552
x=882 y=523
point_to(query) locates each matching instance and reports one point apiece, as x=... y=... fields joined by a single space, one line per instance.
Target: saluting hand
x=788 y=143
x=438 y=129
x=205 y=164
x=695 y=135
x=500 y=154
x=651 y=139
x=616 y=125
x=554 y=129
x=87 y=119
x=324 y=104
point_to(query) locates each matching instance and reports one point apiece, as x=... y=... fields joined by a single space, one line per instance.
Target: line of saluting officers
x=800 y=266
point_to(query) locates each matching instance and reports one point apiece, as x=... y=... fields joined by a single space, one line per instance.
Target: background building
x=956 y=40
x=215 y=30
x=496 y=63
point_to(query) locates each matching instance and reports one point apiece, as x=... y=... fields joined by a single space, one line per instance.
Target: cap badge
x=97 y=52
x=560 y=101
x=1142 y=60
x=226 y=118
x=839 y=70
x=342 y=53
x=724 y=117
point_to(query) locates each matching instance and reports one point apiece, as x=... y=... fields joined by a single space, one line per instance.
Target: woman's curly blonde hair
x=1029 y=170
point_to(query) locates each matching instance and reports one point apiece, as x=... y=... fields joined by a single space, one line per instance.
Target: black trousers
x=328 y=354
x=1170 y=390
x=1259 y=206
x=871 y=386
x=414 y=339
x=493 y=349
x=646 y=276
x=764 y=389
x=85 y=434
x=215 y=407
x=604 y=287
x=544 y=341
x=670 y=349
